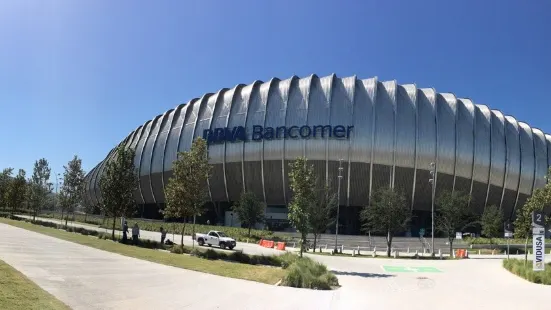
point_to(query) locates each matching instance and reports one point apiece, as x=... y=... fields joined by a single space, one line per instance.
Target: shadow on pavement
x=362 y=274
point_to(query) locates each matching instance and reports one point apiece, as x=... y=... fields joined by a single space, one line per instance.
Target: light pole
x=432 y=181
x=58 y=180
x=338 y=205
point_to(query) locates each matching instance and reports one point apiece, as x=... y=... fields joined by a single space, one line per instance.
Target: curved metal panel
x=147 y=154
x=446 y=111
x=426 y=147
x=91 y=185
x=220 y=120
x=383 y=148
x=512 y=172
x=540 y=155
x=234 y=150
x=172 y=140
x=406 y=133
x=217 y=187
x=186 y=135
x=274 y=149
x=157 y=158
x=482 y=156
x=360 y=140
x=498 y=153
x=464 y=151
x=140 y=147
x=340 y=114
x=252 y=151
x=318 y=114
x=527 y=163
x=297 y=115
x=144 y=164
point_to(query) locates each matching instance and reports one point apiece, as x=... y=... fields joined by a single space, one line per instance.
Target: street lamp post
x=338 y=206
x=432 y=181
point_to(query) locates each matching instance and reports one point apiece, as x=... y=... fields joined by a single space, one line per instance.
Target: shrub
x=306 y=273
x=519 y=268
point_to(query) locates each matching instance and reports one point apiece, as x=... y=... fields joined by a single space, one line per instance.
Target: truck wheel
x=223 y=245
x=231 y=248
x=201 y=241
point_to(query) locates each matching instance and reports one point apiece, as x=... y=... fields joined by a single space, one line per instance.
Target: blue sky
x=77 y=76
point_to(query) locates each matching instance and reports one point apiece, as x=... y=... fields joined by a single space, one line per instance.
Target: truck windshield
x=221 y=234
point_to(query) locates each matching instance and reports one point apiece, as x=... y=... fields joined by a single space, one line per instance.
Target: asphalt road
x=249 y=248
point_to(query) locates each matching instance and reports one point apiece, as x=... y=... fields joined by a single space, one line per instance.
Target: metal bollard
x=358 y=250
x=440 y=253
x=353 y=252
x=342 y=249
x=374 y=254
x=408 y=250
x=416 y=252
x=478 y=252
x=394 y=254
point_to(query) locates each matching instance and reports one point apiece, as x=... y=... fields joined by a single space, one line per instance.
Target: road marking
x=427 y=269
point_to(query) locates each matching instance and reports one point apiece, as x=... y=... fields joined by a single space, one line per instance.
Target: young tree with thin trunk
x=492 y=222
x=388 y=214
x=302 y=181
x=39 y=186
x=249 y=210
x=5 y=179
x=16 y=192
x=73 y=181
x=453 y=214
x=118 y=182
x=322 y=212
x=187 y=188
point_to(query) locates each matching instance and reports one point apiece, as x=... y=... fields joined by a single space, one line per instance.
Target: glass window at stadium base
x=386 y=134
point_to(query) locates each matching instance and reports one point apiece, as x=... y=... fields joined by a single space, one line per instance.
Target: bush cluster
x=306 y=273
x=518 y=267
x=499 y=241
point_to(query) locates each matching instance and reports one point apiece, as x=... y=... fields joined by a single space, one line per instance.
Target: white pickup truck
x=217 y=238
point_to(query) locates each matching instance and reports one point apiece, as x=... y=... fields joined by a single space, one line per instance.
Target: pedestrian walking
x=135 y=234
x=124 y=232
x=163 y=235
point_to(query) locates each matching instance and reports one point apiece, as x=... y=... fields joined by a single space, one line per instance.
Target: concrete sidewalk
x=87 y=278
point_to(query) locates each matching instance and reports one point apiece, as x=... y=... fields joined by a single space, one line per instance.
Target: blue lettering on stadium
x=259 y=133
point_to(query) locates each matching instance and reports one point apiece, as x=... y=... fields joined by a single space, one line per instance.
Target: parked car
x=217 y=238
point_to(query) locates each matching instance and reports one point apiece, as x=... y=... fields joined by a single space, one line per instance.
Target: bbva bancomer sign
x=259 y=133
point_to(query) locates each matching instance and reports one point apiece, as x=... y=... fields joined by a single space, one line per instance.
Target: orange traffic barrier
x=461 y=253
x=281 y=246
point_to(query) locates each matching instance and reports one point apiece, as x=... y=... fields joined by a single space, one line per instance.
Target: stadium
x=386 y=134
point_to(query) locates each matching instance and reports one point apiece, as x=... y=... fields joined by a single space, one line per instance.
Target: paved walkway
x=87 y=278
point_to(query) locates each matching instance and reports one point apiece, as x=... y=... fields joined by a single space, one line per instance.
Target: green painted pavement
x=427 y=269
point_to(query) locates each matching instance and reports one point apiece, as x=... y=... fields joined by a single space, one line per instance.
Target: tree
x=322 y=216
x=15 y=192
x=118 y=182
x=492 y=222
x=39 y=186
x=73 y=181
x=388 y=214
x=249 y=210
x=187 y=189
x=453 y=214
x=5 y=178
x=302 y=181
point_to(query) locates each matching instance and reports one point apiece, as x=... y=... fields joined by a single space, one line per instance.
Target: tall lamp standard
x=338 y=206
x=58 y=180
x=432 y=181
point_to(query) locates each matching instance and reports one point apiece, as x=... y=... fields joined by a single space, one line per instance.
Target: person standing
x=163 y=236
x=124 y=232
x=135 y=233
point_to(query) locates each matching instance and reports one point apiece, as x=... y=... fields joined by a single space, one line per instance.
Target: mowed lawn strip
x=18 y=292
x=264 y=274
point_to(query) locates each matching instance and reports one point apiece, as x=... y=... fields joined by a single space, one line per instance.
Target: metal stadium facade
x=386 y=135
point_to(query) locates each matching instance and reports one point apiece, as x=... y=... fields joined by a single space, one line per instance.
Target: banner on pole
x=539 y=252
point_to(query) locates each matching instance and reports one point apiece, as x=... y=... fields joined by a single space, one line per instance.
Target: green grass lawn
x=18 y=292
x=524 y=270
x=264 y=274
